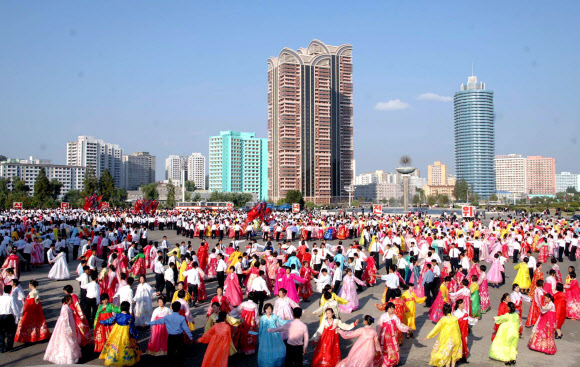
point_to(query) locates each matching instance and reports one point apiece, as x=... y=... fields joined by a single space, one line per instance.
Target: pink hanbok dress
x=232 y=290
x=348 y=292
x=287 y=282
x=64 y=345
x=364 y=350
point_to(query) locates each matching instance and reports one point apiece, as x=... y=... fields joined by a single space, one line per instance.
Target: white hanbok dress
x=143 y=304
x=59 y=270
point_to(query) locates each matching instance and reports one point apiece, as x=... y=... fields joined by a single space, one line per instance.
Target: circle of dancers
x=445 y=263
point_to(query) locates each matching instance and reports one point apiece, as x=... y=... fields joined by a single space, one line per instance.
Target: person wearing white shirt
x=221 y=269
x=323 y=280
x=392 y=282
x=8 y=320
x=159 y=271
x=125 y=293
x=260 y=290
x=336 y=278
x=92 y=262
x=170 y=280
x=193 y=281
x=454 y=257
x=51 y=255
x=83 y=280
x=93 y=298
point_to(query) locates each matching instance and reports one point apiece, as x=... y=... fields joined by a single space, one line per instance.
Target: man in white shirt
x=221 y=270
x=159 y=271
x=8 y=320
x=336 y=278
x=323 y=280
x=193 y=283
x=260 y=290
x=392 y=282
x=93 y=298
x=125 y=293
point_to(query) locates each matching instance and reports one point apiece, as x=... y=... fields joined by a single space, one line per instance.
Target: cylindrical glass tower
x=475 y=137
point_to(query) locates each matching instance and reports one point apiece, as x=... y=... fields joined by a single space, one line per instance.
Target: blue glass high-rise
x=475 y=137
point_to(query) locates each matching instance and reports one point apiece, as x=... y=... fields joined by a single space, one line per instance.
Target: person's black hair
x=389 y=305
x=283 y=290
x=261 y=272
x=297 y=312
x=67 y=288
x=511 y=307
x=560 y=287
x=33 y=283
x=397 y=292
x=540 y=283
x=130 y=280
x=216 y=304
x=446 y=309
x=549 y=296
x=176 y=306
x=369 y=319
x=125 y=306
x=465 y=282
x=222 y=316
x=104 y=296
x=7 y=289
x=514 y=286
x=505 y=295
x=268 y=305
x=482 y=267
x=457 y=303
x=65 y=299
x=181 y=294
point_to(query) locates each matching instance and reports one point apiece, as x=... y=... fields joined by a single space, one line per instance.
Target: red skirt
x=32 y=327
x=327 y=351
x=102 y=331
x=245 y=342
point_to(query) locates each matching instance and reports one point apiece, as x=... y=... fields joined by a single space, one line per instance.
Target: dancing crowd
x=268 y=273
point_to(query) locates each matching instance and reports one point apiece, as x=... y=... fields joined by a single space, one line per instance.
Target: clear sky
x=163 y=76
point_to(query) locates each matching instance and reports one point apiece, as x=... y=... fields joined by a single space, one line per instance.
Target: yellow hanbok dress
x=182 y=268
x=212 y=320
x=505 y=344
x=121 y=348
x=448 y=347
x=523 y=276
x=410 y=300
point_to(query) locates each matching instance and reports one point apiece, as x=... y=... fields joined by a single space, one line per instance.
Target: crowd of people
x=265 y=270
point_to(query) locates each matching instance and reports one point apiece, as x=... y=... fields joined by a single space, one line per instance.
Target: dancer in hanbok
x=143 y=302
x=287 y=281
x=494 y=277
x=122 y=348
x=475 y=299
x=542 y=339
x=59 y=269
x=537 y=303
x=388 y=327
x=222 y=300
x=37 y=255
x=32 y=325
x=218 y=338
x=522 y=278
x=212 y=266
x=538 y=275
x=13 y=262
x=139 y=265
x=283 y=306
x=232 y=289
x=517 y=298
x=104 y=312
x=348 y=292
x=246 y=337
x=572 y=298
x=560 y=305
x=327 y=350
x=63 y=347
x=157 y=345
x=307 y=273
x=436 y=310
x=483 y=290
x=502 y=310
x=369 y=272
x=464 y=322
x=81 y=321
x=271 y=347
x=212 y=319
x=365 y=350
x=410 y=299
x=504 y=346
x=184 y=310
x=448 y=349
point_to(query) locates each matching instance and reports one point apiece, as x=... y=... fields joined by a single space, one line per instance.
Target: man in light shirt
x=221 y=270
x=193 y=282
x=125 y=293
x=260 y=290
x=391 y=282
x=93 y=294
x=297 y=341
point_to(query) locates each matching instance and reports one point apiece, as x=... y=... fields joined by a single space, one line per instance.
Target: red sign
x=295 y=208
x=104 y=205
x=230 y=206
x=64 y=205
x=467 y=211
x=16 y=205
x=377 y=209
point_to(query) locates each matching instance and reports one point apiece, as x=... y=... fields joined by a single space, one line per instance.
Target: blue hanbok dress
x=271 y=348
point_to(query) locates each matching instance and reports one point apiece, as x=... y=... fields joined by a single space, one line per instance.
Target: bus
x=205 y=205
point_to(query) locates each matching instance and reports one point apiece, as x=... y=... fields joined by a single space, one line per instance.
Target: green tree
x=3 y=158
x=42 y=190
x=190 y=186
x=91 y=183
x=294 y=196
x=106 y=185
x=19 y=193
x=355 y=203
x=443 y=199
x=4 y=193
x=55 y=186
x=417 y=199
x=493 y=197
x=150 y=191
x=119 y=198
x=460 y=190
x=170 y=203
x=74 y=198
x=571 y=190
x=431 y=200
x=310 y=205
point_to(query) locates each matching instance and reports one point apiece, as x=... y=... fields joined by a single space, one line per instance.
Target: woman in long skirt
x=271 y=348
x=447 y=350
x=502 y=310
x=218 y=338
x=388 y=328
x=475 y=299
x=81 y=321
x=305 y=289
x=63 y=347
x=327 y=350
x=464 y=322
x=483 y=290
x=522 y=278
x=348 y=292
x=158 y=341
x=121 y=348
x=365 y=350
x=246 y=337
x=537 y=303
x=32 y=325
x=542 y=339
x=59 y=270
x=572 y=298
x=143 y=303
x=104 y=312
x=410 y=299
x=560 y=305
x=436 y=310
x=518 y=299
x=494 y=277
x=505 y=345
x=232 y=290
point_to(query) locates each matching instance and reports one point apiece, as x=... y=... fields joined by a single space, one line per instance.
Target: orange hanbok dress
x=219 y=338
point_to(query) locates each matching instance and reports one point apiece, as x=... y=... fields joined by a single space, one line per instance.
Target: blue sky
x=163 y=76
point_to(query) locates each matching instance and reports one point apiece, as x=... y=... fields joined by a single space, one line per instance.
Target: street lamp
x=183 y=168
x=350 y=190
x=405 y=171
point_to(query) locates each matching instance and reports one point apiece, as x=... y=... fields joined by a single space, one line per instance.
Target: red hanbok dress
x=560 y=304
x=543 y=334
x=537 y=303
x=201 y=292
x=32 y=326
x=139 y=266
x=13 y=262
x=158 y=341
x=232 y=290
x=81 y=322
x=370 y=269
x=573 y=300
x=305 y=289
x=102 y=331
x=246 y=342
x=537 y=276
x=224 y=304
x=202 y=257
x=387 y=328
x=327 y=350
x=464 y=321
x=502 y=310
x=436 y=310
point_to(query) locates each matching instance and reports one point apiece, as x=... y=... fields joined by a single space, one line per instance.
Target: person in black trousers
x=7 y=321
x=176 y=325
x=159 y=275
x=428 y=284
x=221 y=273
x=170 y=280
x=573 y=248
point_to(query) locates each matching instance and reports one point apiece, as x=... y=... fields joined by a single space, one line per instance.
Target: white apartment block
x=71 y=177
x=567 y=179
x=510 y=173
x=196 y=170
x=173 y=165
x=139 y=170
x=375 y=177
x=97 y=154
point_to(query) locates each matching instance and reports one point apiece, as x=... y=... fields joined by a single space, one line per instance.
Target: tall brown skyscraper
x=310 y=127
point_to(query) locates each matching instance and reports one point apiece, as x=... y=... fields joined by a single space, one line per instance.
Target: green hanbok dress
x=475 y=300
x=505 y=345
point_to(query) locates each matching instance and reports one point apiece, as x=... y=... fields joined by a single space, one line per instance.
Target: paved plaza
x=414 y=352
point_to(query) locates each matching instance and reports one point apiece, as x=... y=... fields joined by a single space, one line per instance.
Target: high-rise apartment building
x=98 y=155
x=196 y=170
x=173 y=166
x=310 y=125
x=71 y=177
x=437 y=174
x=540 y=175
x=510 y=173
x=475 y=136
x=565 y=180
x=238 y=162
x=139 y=170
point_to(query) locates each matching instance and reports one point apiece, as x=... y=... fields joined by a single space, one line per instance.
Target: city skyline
x=127 y=85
